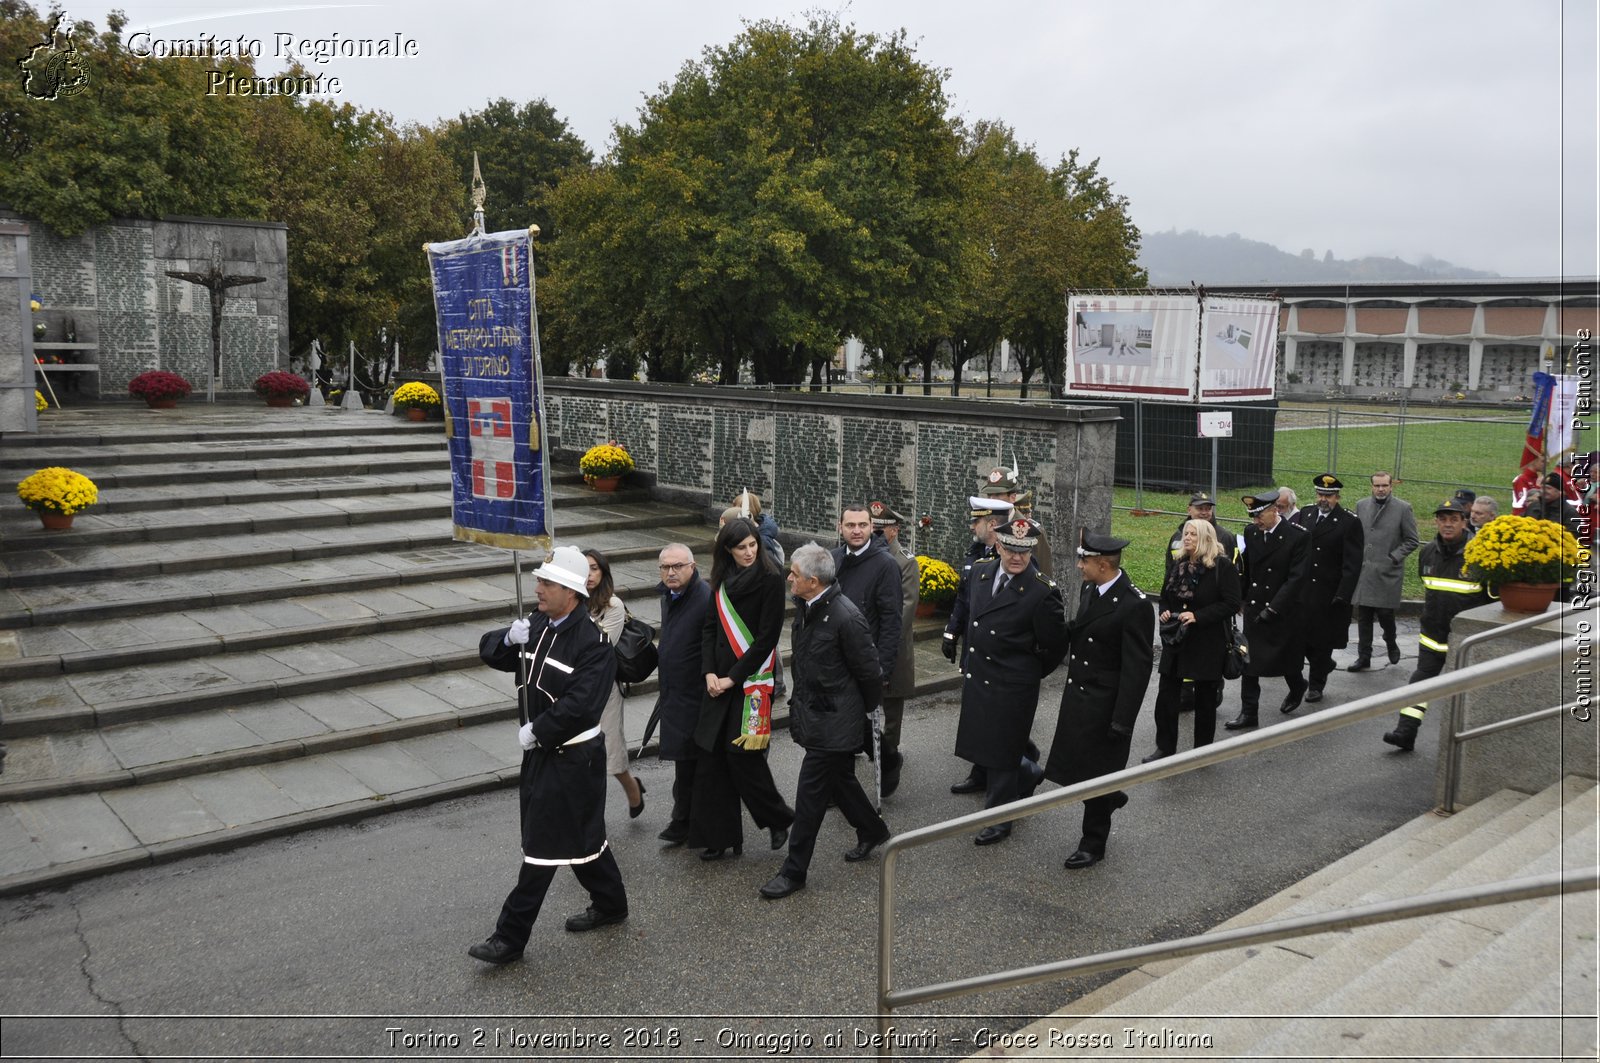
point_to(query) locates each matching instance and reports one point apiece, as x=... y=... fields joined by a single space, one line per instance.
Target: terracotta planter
x=55 y=521
x=926 y=610
x=280 y=401
x=162 y=404
x=1527 y=597
x=416 y=414
x=605 y=484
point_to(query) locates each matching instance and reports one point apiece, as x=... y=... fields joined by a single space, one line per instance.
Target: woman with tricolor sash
x=738 y=648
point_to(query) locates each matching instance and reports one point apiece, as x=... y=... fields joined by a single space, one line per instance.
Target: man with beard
x=1272 y=575
x=986 y=514
x=1333 y=568
x=1388 y=534
x=869 y=577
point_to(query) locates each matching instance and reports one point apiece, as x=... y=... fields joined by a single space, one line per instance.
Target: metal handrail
x=1455 y=713
x=1523 y=662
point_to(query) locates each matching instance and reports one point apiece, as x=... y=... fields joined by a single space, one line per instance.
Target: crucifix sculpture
x=217 y=283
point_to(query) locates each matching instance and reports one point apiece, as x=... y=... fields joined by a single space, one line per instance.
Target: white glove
x=525 y=733
x=517 y=634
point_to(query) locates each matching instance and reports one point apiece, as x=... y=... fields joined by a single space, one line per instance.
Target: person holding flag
x=738 y=648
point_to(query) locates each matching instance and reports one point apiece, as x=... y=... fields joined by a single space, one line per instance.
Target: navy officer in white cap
x=984 y=515
x=565 y=670
x=1272 y=578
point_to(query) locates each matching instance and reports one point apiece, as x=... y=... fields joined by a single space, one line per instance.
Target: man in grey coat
x=1389 y=533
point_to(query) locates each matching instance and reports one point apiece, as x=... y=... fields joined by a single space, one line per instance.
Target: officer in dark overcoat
x=1272 y=575
x=565 y=670
x=1016 y=635
x=1111 y=657
x=1333 y=568
x=984 y=516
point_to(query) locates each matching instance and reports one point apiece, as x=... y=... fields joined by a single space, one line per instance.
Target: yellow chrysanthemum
x=58 y=490
x=937 y=581
x=415 y=395
x=1513 y=549
x=38 y=401
x=606 y=459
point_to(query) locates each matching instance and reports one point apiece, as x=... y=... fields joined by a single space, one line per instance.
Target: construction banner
x=483 y=295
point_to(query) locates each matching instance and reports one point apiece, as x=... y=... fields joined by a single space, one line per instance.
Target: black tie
x=1000 y=583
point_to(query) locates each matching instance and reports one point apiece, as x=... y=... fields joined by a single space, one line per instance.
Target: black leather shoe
x=1362 y=664
x=1291 y=701
x=1402 y=737
x=592 y=918
x=1394 y=654
x=1159 y=754
x=1313 y=696
x=495 y=950
x=992 y=835
x=780 y=886
x=717 y=854
x=780 y=837
x=863 y=850
x=675 y=834
x=970 y=785
x=635 y=811
x=1240 y=722
x=1081 y=859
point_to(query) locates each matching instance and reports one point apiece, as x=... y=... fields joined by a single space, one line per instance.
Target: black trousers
x=1250 y=690
x=1364 y=617
x=1319 y=663
x=682 y=791
x=1429 y=664
x=1097 y=810
x=1169 y=692
x=826 y=777
x=600 y=876
x=722 y=778
x=894 y=710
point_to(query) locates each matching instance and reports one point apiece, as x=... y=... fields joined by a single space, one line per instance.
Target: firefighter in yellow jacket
x=1447 y=591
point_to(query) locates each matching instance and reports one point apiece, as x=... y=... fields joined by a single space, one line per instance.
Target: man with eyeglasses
x=685 y=599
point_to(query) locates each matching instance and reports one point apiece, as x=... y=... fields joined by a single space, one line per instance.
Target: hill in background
x=1174 y=259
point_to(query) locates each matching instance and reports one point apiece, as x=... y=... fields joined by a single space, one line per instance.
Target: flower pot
x=926 y=610
x=605 y=484
x=1527 y=597
x=162 y=404
x=416 y=413
x=53 y=521
x=280 y=401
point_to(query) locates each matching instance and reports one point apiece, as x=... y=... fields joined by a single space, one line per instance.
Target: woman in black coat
x=747 y=600
x=1201 y=596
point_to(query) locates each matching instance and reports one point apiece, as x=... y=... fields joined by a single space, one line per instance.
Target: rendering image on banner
x=488 y=342
x=1239 y=349
x=1131 y=345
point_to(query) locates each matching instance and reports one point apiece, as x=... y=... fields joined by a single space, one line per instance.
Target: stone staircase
x=263 y=626
x=1499 y=982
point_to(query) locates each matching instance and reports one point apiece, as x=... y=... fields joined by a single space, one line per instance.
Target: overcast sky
x=1464 y=129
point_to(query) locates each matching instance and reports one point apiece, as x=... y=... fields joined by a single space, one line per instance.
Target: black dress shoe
x=1394 y=654
x=675 y=834
x=1291 y=701
x=970 y=785
x=1157 y=755
x=1240 y=722
x=1081 y=859
x=1362 y=664
x=992 y=835
x=592 y=918
x=780 y=837
x=717 y=854
x=864 y=849
x=635 y=811
x=1313 y=696
x=495 y=950
x=781 y=886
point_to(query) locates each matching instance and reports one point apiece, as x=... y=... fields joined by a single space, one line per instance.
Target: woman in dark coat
x=737 y=647
x=1202 y=596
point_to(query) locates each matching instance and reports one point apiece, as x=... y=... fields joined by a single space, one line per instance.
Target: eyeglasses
x=680 y=564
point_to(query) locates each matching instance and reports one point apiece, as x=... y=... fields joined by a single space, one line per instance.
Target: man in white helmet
x=565 y=669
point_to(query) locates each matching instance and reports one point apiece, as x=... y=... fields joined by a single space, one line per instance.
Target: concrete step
x=325 y=449
x=422 y=465
x=102 y=427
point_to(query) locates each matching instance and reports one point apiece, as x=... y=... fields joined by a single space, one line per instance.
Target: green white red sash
x=755 y=715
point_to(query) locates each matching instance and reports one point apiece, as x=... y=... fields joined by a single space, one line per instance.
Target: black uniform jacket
x=1447 y=590
x=1214 y=599
x=835 y=679
x=1272 y=571
x=872 y=581
x=1012 y=641
x=683 y=684
x=1108 y=670
x=976 y=551
x=570 y=672
x=1333 y=567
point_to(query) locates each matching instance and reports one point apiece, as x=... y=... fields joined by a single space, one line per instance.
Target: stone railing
x=805 y=453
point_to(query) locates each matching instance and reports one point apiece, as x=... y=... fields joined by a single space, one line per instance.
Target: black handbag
x=636 y=651
x=1237 y=655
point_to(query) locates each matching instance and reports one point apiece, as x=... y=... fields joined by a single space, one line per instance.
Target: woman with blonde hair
x=1198 y=602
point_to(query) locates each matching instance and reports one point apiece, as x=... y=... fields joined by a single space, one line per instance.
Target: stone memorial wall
x=111 y=310
x=805 y=453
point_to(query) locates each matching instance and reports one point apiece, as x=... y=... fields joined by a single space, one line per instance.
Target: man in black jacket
x=685 y=598
x=565 y=670
x=985 y=516
x=1333 y=566
x=869 y=577
x=1272 y=576
x=836 y=686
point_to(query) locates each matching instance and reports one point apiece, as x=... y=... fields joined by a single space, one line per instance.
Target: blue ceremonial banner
x=493 y=396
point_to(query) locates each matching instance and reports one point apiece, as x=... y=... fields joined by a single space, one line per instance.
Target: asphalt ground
x=350 y=942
